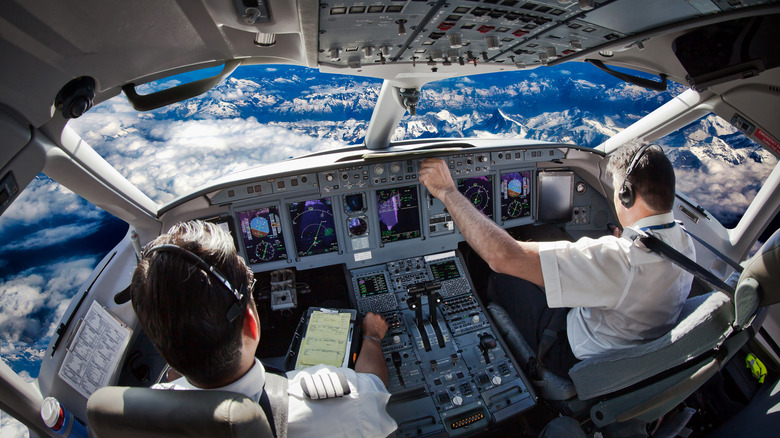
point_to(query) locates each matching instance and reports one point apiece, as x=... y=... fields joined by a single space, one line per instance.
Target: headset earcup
x=626 y=195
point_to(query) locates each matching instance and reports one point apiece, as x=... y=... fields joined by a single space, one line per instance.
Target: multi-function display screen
x=261 y=231
x=479 y=190
x=399 y=213
x=515 y=195
x=445 y=271
x=373 y=285
x=313 y=227
x=556 y=191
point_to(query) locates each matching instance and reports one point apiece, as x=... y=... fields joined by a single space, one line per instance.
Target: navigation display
x=515 y=195
x=399 y=213
x=445 y=271
x=261 y=231
x=313 y=227
x=479 y=190
x=373 y=285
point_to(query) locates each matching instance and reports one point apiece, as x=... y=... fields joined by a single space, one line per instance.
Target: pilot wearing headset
x=595 y=294
x=192 y=294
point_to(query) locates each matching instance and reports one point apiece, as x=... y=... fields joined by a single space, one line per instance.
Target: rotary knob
x=457 y=400
x=378 y=169
x=396 y=339
x=496 y=380
x=395 y=167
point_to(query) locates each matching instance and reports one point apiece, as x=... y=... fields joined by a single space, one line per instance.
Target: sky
x=51 y=239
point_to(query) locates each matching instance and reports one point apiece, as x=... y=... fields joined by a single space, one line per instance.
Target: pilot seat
x=623 y=390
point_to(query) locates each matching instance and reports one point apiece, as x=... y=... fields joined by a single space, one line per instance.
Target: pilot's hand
x=436 y=176
x=374 y=325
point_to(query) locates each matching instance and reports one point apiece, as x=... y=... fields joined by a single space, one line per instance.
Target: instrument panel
x=448 y=370
x=450 y=373
x=378 y=211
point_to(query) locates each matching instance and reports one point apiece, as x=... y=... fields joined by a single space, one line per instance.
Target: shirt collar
x=250 y=384
x=649 y=221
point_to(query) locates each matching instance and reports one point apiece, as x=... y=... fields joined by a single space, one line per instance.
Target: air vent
x=774 y=89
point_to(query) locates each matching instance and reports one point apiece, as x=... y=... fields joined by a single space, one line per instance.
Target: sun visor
x=735 y=49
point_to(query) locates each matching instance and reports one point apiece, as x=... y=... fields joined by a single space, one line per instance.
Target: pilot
x=592 y=295
x=206 y=326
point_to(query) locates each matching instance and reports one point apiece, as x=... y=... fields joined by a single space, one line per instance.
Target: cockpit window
x=259 y=115
x=52 y=240
x=718 y=167
x=572 y=103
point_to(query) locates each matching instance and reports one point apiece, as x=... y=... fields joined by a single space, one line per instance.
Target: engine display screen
x=445 y=271
x=373 y=285
x=399 y=213
x=479 y=190
x=515 y=195
x=313 y=226
x=261 y=231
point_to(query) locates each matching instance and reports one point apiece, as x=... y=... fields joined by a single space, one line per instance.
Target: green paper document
x=326 y=339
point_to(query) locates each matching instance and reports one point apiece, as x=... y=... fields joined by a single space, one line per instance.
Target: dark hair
x=652 y=178
x=182 y=308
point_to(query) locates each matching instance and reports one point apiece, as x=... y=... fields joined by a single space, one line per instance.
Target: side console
x=449 y=371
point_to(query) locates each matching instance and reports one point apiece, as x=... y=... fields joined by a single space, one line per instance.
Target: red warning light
x=446 y=25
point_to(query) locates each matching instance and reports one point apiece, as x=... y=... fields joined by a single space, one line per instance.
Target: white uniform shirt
x=621 y=294
x=361 y=413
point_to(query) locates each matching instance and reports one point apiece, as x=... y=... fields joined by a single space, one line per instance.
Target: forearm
x=370 y=360
x=502 y=252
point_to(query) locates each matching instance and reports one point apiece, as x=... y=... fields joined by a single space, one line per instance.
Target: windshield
x=263 y=114
x=260 y=115
x=571 y=103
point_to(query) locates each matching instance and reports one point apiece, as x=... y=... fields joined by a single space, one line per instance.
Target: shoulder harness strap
x=274 y=401
x=666 y=251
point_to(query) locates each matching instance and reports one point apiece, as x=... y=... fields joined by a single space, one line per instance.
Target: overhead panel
x=358 y=33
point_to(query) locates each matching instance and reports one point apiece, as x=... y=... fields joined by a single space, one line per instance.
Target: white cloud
x=10 y=427
x=43 y=291
x=168 y=158
x=52 y=236
x=45 y=198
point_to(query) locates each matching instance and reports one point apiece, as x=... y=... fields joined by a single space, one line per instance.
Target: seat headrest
x=764 y=269
x=115 y=411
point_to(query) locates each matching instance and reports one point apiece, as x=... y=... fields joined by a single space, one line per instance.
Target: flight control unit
x=449 y=371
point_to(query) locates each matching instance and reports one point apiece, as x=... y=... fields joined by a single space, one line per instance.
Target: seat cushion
x=704 y=323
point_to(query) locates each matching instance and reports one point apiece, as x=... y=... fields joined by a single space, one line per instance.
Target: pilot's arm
x=503 y=253
x=370 y=359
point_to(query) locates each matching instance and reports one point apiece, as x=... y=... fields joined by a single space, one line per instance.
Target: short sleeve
x=586 y=273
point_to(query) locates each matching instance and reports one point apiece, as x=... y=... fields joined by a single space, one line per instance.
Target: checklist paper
x=94 y=350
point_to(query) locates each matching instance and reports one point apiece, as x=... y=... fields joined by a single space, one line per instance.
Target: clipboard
x=323 y=336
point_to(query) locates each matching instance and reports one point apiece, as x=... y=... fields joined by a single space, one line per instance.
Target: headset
x=239 y=295
x=626 y=194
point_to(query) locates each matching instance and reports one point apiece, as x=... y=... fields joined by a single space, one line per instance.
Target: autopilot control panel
x=449 y=372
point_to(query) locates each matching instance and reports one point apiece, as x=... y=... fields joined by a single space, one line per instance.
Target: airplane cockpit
x=351 y=230
x=363 y=233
